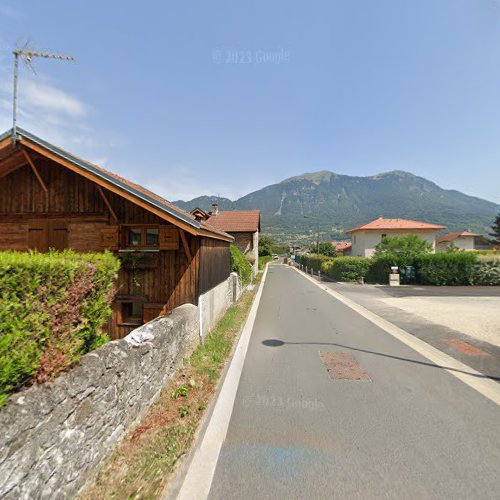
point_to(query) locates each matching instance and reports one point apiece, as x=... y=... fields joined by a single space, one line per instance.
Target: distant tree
x=408 y=246
x=326 y=249
x=266 y=245
x=496 y=230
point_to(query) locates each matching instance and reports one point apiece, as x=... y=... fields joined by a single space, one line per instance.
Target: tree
x=266 y=245
x=407 y=246
x=326 y=249
x=496 y=230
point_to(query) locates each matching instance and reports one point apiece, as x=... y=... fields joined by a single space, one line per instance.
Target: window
x=135 y=237
x=130 y=313
x=152 y=237
x=142 y=237
x=383 y=236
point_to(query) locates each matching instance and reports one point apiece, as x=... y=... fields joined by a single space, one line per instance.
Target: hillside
x=339 y=202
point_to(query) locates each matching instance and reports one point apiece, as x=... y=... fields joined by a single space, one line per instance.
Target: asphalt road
x=411 y=431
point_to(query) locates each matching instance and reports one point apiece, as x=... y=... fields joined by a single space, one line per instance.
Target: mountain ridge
x=338 y=202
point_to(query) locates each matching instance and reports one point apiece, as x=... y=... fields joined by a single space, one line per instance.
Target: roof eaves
x=108 y=178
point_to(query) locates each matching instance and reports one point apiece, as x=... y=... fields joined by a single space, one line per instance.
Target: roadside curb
x=474 y=379
x=197 y=481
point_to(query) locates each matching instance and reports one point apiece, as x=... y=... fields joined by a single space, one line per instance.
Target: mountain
x=294 y=208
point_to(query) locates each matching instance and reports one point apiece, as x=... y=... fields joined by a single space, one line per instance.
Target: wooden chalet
x=52 y=199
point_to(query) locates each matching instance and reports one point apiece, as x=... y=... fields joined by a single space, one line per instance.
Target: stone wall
x=216 y=301
x=54 y=436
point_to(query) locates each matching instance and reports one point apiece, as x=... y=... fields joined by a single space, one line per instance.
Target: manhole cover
x=342 y=366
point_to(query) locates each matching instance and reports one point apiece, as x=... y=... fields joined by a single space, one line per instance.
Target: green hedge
x=346 y=268
x=486 y=271
x=312 y=261
x=52 y=310
x=445 y=268
x=380 y=267
x=240 y=265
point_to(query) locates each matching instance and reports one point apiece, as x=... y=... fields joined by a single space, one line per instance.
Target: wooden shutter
x=110 y=238
x=58 y=235
x=38 y=235
x=169 y=238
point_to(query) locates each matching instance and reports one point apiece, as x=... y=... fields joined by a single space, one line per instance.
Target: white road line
x=198 y=480
x=487 y=387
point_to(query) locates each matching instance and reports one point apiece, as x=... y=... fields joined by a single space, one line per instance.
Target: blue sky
x=221 y=97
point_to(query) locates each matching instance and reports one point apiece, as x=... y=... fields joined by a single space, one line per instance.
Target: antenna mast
x=27 y=55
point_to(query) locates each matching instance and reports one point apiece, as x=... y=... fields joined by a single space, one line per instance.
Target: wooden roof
x=14 y=155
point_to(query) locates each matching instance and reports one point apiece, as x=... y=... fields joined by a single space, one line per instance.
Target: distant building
x=243 y=225
x=464 y=240
x=342 y=247
x=366 y=238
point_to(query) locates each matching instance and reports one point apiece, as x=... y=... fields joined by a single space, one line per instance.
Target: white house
x=366 y=238
x=464 y=240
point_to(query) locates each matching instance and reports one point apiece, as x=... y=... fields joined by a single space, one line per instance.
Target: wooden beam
x=107 y=203
x=7 y=142
x=109 y=186
x=186 y=246
x=120 y=192
x=12 y=169
x=35 y=170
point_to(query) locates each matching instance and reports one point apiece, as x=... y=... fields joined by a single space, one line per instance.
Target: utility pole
x=27 y=55
x=317 y=232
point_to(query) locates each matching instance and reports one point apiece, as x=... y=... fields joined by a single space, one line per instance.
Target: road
x=408 y=430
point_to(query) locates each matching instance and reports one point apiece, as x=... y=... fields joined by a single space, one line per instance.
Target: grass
x=141 y=466
x=263 y=261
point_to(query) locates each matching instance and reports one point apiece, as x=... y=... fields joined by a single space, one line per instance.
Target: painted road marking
x=198 y=480
x=465 y=347
x=477 y=380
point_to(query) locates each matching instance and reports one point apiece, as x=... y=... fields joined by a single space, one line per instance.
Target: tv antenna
x=27 y=56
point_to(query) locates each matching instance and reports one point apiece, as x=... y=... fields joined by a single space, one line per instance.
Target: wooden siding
x=215 y=263
x=74 y=213
x=13 y=236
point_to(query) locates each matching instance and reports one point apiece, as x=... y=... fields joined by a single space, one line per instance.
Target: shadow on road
x=280 y=343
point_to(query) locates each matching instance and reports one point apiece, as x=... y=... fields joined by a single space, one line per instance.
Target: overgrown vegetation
x=240 y=265
x=141 y=465
x=52 y=310
x=263 y=261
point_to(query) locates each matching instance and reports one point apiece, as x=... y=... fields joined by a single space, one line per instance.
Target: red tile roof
x=341 y=246
x=382 y=223
x=236 y=221
x=453 y=236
